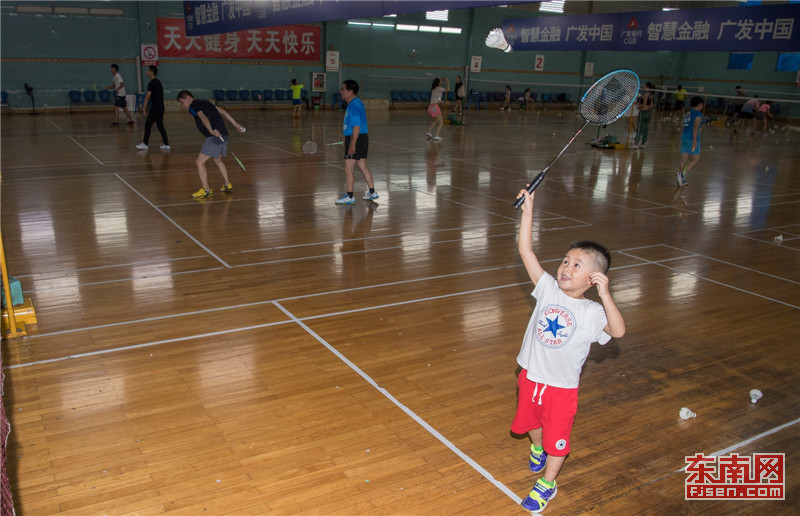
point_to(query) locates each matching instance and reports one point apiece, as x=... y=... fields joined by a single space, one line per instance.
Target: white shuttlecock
x=243 y=129
x=496 y=39
x=779 y=238
x=686 y=413
x=755 y=395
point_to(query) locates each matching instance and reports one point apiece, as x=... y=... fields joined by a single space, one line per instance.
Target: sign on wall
x=723 y=29
x=475 y=64
x=332 y=61
x=285 y=43
x=538 y=64
x=150 y=54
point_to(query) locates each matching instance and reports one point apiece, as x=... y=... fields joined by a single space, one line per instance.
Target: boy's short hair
x=153 y=69
x=600 y=254
x=294 y=81
x=696 y=101
x=351 y=85
x=115 y=67
x=184 y=93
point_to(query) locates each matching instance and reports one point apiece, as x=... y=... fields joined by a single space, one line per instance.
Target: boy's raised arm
x=529 y=258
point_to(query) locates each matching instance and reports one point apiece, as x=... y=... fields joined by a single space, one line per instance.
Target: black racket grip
x=531 y=187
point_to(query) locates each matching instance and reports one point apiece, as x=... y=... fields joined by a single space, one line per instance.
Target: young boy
x=560 y=332
x=297 y=91
x=690 y=140
x=209 y=121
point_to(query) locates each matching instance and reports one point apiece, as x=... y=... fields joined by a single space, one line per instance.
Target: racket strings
x=310 y=147
x=609 y=98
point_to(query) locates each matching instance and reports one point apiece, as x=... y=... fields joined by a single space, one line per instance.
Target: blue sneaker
x=370 y=196
x=537 y=461
x=539 y=496
x=345 y=199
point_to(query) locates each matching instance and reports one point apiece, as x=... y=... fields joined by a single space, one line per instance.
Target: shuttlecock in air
x=779 y=238
x=686 y=413
x=495 y=39
x=755 y=395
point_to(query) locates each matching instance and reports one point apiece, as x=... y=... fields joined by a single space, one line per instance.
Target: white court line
x=54 y=124
x=87 y=152
x=206 y=249
x=421 y=422
x=744 y=443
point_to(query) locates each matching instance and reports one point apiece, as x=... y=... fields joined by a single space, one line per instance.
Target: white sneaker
x=370 y=196
x=437 y=138
x=165 y=147
x=429 y=135
x=142 y=146
x=345 y=199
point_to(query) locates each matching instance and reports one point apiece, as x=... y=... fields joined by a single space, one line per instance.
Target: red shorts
x=552 y=409
x=433 y=110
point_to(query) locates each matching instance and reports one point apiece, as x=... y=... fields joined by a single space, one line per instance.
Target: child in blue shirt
x=690 y=140
x=356 y=143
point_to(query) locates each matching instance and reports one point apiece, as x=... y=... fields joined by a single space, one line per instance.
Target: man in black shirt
x=155 y=95
x=208 y=119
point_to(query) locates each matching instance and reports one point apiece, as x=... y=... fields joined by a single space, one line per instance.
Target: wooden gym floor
x=268 y=352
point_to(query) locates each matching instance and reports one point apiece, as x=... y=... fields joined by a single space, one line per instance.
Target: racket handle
x=531 y=187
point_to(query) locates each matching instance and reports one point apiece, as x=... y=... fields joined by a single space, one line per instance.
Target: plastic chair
x=337 y=101
x=280 y=94
x=289 y=94
x=267 y=95
x=89 y=95
x=231 y=94
x=451 y=96
x=74 y=97
x=219 y=95
x=104 y=95
x=394 y=95
x=139 y=102
x=405 y=95
x=4 y=98
x=244 y=94
x=415 y=95
x=256 y=94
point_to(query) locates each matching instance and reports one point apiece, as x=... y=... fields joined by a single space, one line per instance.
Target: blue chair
x=289 y=94
x=337 y=101
x=451 y=96
x=394 y=95
x=231 y=94
x=545 y=98
x=405 y=95
x=104 y=95
x=415 y=95
x=303 y=94
x=244 y=94
x=267 y=94
x=139 y=102
x=74 y=96
x=425 y=95
x=256 y=94
x=89 y=95
x=219 y=95
x=476 y=97
x=4 y=98
x=280 y=94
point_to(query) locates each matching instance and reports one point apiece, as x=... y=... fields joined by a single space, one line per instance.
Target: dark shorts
x=120 y=101
x=362 y=146
x=295 y=102
x=678 y=104
x=761 y=115
x=747 y=115
x=686 y=148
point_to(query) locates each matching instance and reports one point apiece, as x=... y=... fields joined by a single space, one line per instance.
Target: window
x=740 y=61
x=556 y=6
x=788 y=62
x=437 y=15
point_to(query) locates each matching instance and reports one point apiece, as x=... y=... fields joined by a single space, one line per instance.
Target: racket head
x=239 y=162
x=609 y=97
x=310 y=147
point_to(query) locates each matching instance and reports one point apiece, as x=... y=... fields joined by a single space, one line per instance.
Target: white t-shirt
x=436 y=95
x=559 y=334
x=117 y=81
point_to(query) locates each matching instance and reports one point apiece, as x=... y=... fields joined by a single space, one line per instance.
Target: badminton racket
x=496 y=39
x=235 y=157
x=604 y=102
x=312 y=147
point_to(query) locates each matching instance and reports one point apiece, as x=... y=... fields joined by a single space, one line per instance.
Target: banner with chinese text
x=284 y=43
x=721 y=29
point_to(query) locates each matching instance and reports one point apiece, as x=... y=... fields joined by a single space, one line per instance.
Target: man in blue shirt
x=356 y=143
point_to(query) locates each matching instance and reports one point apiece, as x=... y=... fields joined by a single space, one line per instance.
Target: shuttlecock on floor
x=686 y=413
x=496 y=39
x=755 y=395
x=779 y=238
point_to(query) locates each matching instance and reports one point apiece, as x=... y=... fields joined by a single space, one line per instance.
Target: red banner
x=284 y=43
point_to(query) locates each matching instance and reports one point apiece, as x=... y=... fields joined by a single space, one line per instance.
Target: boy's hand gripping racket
x=604 y=102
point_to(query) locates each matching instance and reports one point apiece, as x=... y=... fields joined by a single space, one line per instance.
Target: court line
x=145 y=199
x=750 y=440
x=87 y=152
x=421 y=422
x=56 y=125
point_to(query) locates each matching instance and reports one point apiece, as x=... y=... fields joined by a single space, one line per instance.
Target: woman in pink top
x=762 y=114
